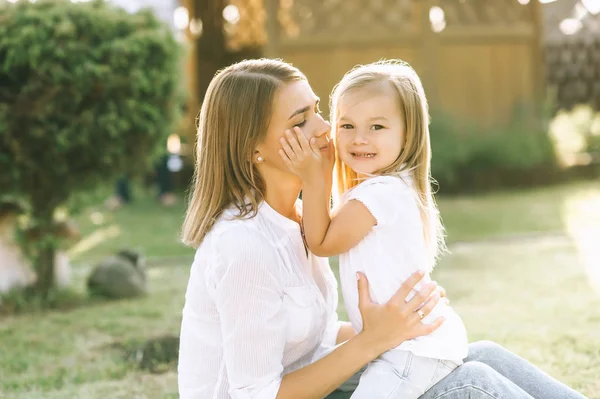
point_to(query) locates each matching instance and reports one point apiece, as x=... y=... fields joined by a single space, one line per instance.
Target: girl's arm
x=325 y=235
x=330 y=236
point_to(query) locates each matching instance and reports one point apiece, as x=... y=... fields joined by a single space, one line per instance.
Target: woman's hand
x=302 y=157
x=388 y=325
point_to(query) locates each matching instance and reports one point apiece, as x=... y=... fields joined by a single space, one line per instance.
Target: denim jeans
x=489 y=372
x=401 y=374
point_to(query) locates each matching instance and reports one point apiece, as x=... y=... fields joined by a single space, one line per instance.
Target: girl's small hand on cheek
x=300 y=155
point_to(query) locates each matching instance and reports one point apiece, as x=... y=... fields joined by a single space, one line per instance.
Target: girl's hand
x=302 y=157
x=388 y=325
x=328 y=160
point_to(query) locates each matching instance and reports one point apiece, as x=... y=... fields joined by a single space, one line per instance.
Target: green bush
x=464 y=155
x=87 y=92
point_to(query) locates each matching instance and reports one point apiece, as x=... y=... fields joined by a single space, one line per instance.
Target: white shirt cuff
x=267 y=392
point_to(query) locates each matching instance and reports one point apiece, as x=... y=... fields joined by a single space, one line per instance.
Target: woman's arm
x=345 y=332
x=384 y=327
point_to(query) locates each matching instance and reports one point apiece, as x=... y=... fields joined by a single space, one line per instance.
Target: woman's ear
x=257 y=157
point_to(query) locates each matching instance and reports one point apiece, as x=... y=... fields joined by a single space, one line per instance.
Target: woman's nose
x=324 y=128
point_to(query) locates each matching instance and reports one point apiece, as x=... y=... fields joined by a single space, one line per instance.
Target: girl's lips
x=363 y=155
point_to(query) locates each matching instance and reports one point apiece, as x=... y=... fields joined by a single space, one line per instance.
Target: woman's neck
x=282 y=196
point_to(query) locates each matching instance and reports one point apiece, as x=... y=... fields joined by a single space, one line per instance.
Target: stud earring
x=259 y=159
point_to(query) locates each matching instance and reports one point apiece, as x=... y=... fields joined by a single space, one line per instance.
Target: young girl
x=386 y=215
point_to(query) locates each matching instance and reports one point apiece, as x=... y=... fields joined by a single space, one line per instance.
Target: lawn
x=524 y=272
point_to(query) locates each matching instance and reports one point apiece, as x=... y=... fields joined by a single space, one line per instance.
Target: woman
x=259 y=319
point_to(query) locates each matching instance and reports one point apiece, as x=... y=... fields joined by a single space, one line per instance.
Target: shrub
x=464 y=155
x=87 y=92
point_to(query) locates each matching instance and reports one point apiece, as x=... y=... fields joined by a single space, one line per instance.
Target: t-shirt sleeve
x=386 y=198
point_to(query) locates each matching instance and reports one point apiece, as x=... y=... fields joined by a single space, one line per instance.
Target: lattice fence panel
x=485 y=13
x=573 y=69
x=339 y=18
x=250 y=29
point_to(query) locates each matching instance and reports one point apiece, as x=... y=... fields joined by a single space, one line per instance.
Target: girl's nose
x=359 y=138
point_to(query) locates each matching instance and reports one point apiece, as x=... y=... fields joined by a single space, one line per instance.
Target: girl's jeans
x=401 y=374
x=489 y=372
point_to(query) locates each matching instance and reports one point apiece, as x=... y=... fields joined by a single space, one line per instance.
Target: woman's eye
x=346 y=126
x=376 y=127
x=300 y=124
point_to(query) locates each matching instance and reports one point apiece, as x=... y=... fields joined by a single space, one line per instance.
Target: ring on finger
x=421 y=314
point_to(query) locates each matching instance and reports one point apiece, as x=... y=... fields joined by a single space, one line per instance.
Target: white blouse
x=257 y=307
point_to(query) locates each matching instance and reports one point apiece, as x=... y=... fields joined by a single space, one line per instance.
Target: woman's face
x=295 y=104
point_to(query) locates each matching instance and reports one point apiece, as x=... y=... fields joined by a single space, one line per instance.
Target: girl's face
x=295 y=104
x=370 y=128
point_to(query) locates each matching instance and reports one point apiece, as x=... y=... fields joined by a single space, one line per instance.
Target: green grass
x=143 y=225
x=538 y=296
x=494 y=215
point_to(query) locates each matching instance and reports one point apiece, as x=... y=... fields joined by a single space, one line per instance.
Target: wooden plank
x=480 y=34
x=537 y=52
x=428 y=52
x=359 y=41
x=272 y=46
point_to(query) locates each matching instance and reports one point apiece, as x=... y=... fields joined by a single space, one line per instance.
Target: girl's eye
x=346 y=126
x=301 y=123
x=376 y=127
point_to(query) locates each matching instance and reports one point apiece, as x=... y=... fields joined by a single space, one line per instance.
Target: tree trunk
x=211 y=44
x=43 y=247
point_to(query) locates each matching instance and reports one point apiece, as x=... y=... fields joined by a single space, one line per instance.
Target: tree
x=87 y=92
x=211 y=44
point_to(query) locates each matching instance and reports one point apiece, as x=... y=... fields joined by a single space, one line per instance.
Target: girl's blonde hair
x=233 y=120
x=415 y=156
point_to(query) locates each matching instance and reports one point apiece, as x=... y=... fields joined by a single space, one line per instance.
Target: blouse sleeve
x=249 y=297
x=333 y=321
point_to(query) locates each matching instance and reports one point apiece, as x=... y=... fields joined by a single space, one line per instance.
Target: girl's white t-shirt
x=393 y=250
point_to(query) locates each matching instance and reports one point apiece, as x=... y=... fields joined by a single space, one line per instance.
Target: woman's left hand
x=442 y=293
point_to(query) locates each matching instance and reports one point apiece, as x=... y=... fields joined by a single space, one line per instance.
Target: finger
x=363 y=290
x=441 y=291
x=287 y=149
x=314 y=147
x=429 y=304
x=302 y=140
x=422 y=296
x=406 y=287
x=293 y=141
x=331 y=145
x=286 y=159
x=429 y=328
x=331 y=151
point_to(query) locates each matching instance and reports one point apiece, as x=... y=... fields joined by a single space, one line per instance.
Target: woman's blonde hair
x=415 y=156
x=233 y=120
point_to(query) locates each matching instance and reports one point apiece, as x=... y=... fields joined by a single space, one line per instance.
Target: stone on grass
x=119 y=276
